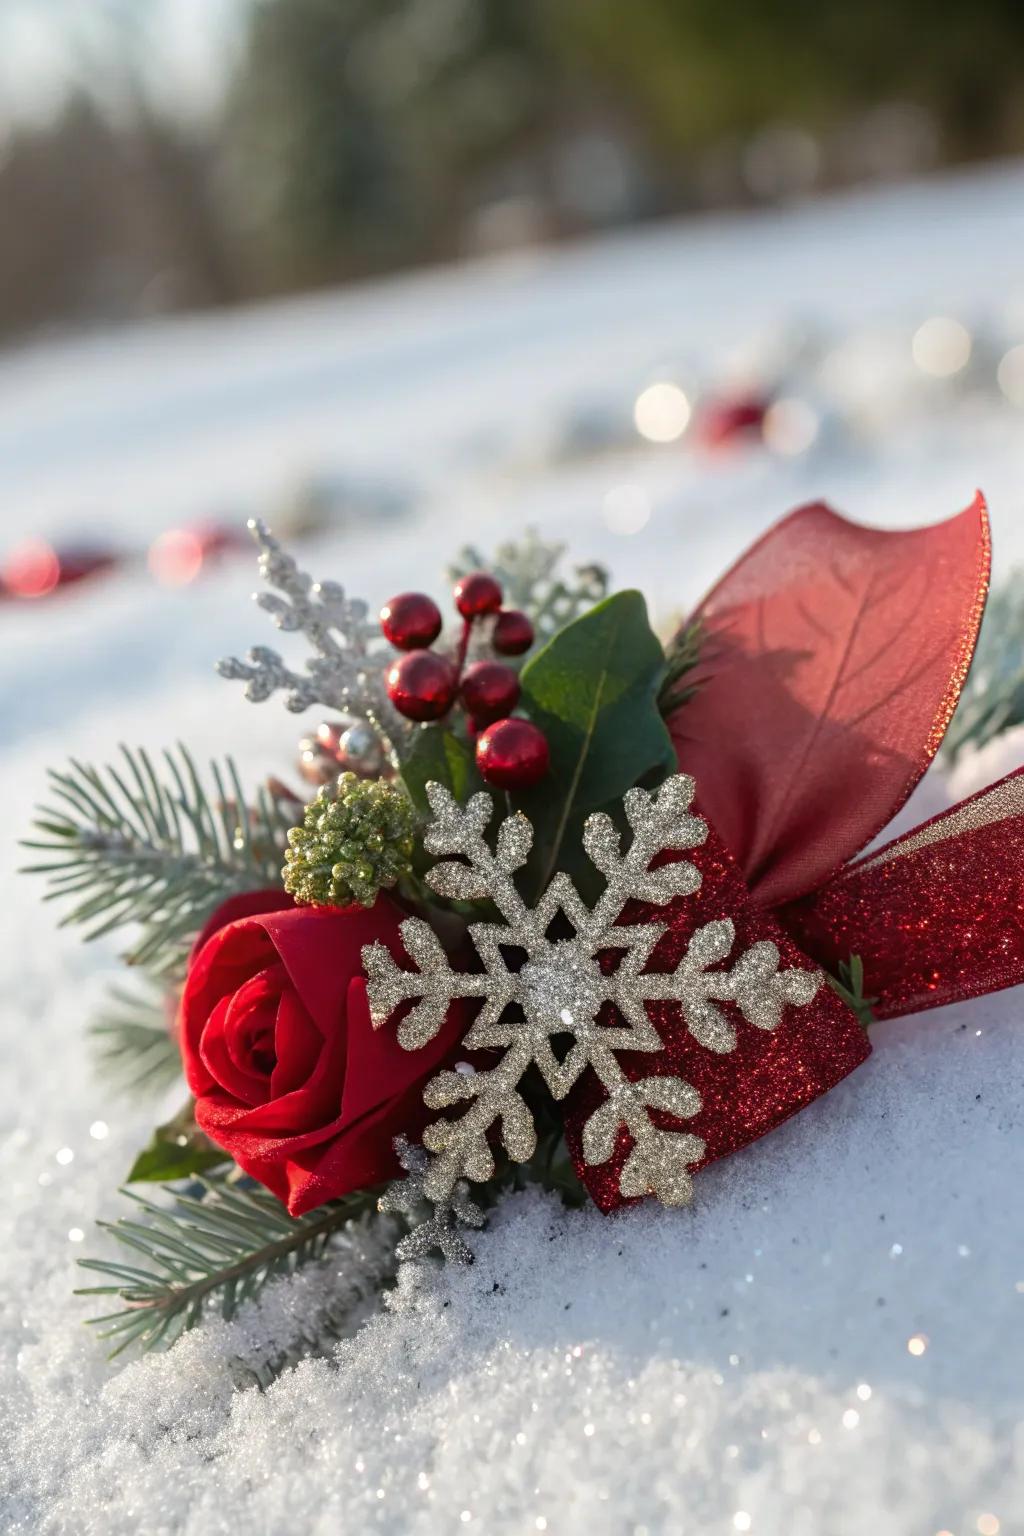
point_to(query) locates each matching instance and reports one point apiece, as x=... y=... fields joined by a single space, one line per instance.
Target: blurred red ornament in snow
x=411 y=621
x=731 y=421
x=35 y=568
x=422 y=685
x=512 y=754
x=178 y=556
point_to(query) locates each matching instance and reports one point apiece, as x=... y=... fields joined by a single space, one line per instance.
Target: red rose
x=289 y=1075
x=249 y=904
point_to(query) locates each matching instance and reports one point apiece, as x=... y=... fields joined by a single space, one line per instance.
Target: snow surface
x=740 y=1366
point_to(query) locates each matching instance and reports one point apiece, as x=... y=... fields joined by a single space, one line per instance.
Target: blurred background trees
x=348 y=137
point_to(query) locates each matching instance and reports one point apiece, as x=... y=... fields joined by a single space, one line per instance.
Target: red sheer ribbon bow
x=832 y=660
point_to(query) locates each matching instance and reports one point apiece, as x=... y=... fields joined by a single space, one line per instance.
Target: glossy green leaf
x=593 y=691
x=437 y=753
x=177 y=1150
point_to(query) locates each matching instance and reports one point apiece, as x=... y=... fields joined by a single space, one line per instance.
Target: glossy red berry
x=490 y=691
x=477 y=594
x=512 y=754
x=422 y=685
x=411 y=621
x=512 y=633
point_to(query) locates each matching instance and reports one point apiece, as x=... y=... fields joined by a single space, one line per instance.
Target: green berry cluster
x=356 y=837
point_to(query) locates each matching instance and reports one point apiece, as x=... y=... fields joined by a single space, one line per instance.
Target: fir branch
x=322 y=1305
x=218 y=1249
x=134 y=1047
x=849 y=985
x=993 y=697
x=162 y=855
x=681 y=656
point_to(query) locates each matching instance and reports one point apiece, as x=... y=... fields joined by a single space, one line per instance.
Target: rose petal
x=298 y=1045
x=249 y=904
x=224 y=964
x=237 y=1026
x=374 y=1073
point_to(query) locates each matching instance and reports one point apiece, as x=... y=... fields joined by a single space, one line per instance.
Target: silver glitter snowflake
x=561 y=991
x=432 y=1224
x=346 y=671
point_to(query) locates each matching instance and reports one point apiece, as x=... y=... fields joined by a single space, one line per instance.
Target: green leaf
x=593 y=691
x=438 y=754
x=177 y=1150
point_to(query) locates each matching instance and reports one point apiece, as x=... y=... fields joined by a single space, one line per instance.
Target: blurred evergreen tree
x=701 y=69
x=360 y=132
x=362 y=135
x=355 y=125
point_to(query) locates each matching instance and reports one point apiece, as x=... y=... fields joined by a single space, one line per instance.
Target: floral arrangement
x=567 y=905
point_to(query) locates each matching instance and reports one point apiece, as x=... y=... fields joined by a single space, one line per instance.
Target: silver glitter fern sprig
x=346 y=670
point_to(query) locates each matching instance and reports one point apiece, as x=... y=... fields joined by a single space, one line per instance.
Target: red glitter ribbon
x=936 y=916
x=746 y=1092
x=832 y=660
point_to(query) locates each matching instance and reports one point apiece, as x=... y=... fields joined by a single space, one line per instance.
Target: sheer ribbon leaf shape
x=832 y=660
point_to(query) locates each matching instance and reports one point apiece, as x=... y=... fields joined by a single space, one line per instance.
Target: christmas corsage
x=567 y=905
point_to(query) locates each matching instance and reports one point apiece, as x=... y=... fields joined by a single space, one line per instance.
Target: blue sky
x=49 y=46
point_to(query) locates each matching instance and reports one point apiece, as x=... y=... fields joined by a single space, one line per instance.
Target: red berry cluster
x=424 y=685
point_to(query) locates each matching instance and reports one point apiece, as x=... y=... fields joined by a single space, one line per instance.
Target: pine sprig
x=849 y=985
x=132 y=849
x=215 y=1250
x=681 y=656
x=133 y=1045
x=993 y=697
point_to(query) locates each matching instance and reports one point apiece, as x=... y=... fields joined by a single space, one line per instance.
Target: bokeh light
x=662 y=412
x=790 y=427
x=941 y=347
x=627 y=509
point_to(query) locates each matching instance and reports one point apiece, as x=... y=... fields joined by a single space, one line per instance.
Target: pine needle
x=131 y=849
x=215 y=1248
x=993 y=697
x=681 y=656
x=133 y=1044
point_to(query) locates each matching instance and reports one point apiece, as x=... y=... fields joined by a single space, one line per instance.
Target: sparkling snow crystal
x=561 y=990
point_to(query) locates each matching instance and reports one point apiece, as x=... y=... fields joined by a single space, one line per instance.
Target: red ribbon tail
x=937 y=916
